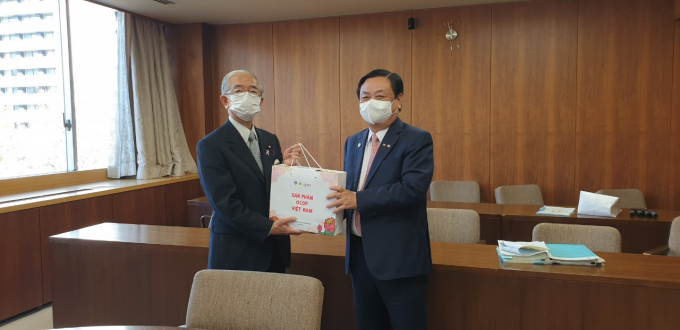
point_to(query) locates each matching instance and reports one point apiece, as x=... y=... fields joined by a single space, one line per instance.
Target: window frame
x=69 y=117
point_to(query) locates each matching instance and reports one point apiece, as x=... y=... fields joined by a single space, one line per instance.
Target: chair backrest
x=454 y=191
x=628 y=198
x=596 y=238
x=453 y=226
x=529 y=194
x=674 y=239
x=227 y=299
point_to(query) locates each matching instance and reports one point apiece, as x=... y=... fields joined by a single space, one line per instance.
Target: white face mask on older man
x=244 y=105
x=375 y=111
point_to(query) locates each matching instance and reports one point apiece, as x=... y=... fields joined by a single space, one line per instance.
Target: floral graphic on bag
x=273 y=216
x=328 y=227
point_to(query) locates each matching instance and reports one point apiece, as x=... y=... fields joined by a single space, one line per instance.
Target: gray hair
x=225 y=81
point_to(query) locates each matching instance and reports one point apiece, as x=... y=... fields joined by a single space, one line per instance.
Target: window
x=95 y=80
x=35 y=96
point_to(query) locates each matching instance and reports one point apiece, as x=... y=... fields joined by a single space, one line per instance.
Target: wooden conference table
x=489 y=215
x=137 y=274
x=638 y=234
x=516 y=222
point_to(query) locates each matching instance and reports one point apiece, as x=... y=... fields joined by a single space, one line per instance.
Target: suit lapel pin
x=384 y=144
x=388 y=145
x=359 y=145
x=270 y=151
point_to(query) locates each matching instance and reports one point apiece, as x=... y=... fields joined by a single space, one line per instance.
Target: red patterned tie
x=374 y=151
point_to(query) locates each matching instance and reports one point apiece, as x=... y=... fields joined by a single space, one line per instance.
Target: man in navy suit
x=389 y=169
x=234 y=165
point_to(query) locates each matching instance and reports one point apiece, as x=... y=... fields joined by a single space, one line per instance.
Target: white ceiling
x=231 y=11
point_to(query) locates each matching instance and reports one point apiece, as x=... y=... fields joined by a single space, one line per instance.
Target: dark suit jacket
x=393 y=204
x=239 y=195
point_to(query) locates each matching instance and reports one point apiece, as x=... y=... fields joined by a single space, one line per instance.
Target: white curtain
x=162 y=148
x=122 y=161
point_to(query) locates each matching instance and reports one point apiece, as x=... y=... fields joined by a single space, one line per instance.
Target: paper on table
x=556 y=211
x=598 y=205
x=538 y=258
x=522 y=248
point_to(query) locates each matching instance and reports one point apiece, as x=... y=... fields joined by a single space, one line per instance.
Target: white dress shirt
x=242 y=130
x=368 y=148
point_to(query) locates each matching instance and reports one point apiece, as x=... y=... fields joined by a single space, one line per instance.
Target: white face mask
x=376 y=111
x=244 y=105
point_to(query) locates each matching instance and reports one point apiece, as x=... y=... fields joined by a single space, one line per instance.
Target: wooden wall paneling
x=625 y=52
x=306 y=78
x=677 y=9
x=20 y=267
x=533 y=97
x=451 y=91
x=249 y=47
x=674 y=189
x=65 y=217
x=185 y=46
x=176 y=197
x=369 y=42
x=145 y=206
x=209 y=96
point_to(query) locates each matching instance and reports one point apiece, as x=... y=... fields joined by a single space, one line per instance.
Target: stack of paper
x=556 y=211
x=522 y=252
x=541 y=253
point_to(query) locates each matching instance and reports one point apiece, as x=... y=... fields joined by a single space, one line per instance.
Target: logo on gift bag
x=295 y=183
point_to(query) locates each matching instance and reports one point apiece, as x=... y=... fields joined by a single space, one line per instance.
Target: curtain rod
x=129 y=12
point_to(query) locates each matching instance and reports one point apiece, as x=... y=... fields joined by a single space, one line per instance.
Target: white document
x=521 y=248
x=556 y=211
x=598 y=205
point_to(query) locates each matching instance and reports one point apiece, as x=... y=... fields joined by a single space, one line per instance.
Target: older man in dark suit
x=234 y=165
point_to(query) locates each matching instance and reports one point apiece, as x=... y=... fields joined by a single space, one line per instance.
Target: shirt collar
x=242 y=130
x=380 y=134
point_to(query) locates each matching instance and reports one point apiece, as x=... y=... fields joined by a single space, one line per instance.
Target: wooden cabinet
x=25 y=256
x=176 y=197
x=65 y=217
x=196 y=208
x=20 y=267
x=144 y=207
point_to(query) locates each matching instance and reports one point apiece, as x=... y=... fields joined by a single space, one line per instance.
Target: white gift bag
x=598 y=205
x=301 y=191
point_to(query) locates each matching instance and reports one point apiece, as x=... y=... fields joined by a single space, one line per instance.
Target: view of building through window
x=32 y=77
x=32 y=139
